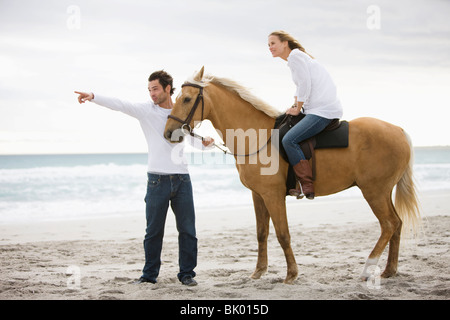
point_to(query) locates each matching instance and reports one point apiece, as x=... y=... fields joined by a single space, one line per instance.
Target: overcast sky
x=389 y=59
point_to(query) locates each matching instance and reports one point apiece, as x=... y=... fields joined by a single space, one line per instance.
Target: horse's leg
x=262 y=229
x=394 y=249
x=394 y=244
x=276 y=206
x=390 y=224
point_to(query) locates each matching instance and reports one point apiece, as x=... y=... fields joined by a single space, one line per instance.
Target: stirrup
x=297 y=192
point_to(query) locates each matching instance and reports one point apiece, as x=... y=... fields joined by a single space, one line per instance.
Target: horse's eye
x=187 y=100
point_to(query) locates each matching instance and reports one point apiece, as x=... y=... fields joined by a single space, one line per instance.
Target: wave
x=432 y=176
x=92 y=190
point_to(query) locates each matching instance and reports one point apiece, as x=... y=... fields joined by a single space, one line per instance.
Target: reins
x=190 y=116
x=222 y=146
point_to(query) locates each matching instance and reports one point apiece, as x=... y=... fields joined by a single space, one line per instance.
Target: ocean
x=64 y=187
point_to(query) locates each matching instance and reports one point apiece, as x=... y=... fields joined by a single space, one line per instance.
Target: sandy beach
x=331 y=238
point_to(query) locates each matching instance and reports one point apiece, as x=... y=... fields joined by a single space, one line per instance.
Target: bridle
x=185 y=124
x=187 y=121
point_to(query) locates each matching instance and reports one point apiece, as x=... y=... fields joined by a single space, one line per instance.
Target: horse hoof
x=386 y=274
x=364 y=278
x=257 y=274
x=290 y=280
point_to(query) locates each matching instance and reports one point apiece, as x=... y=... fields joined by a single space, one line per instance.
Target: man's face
x=157 y=93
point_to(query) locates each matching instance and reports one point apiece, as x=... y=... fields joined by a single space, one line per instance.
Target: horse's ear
x=199 y=75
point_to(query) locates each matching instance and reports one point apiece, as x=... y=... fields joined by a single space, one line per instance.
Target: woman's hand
x=296 y=108
x=293 y=111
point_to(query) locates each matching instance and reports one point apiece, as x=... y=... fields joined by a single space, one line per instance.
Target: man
x=168 y=180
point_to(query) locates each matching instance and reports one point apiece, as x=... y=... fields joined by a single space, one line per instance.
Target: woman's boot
x=304 y=175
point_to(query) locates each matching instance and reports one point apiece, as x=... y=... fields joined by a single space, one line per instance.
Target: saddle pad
x=337 y=138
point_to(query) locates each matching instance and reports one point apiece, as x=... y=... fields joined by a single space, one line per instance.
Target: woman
x=315 y=93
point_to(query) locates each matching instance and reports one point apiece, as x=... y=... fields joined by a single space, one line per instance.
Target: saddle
x=335 y=135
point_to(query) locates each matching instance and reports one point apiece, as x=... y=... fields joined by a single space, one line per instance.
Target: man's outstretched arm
x=136 y=110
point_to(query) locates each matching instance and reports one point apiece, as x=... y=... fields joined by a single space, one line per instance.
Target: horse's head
x=189 y=109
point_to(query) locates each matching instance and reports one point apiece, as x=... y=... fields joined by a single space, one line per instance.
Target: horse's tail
x=406 y=201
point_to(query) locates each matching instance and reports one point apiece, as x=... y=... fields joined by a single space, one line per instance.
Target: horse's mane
x=240 y=90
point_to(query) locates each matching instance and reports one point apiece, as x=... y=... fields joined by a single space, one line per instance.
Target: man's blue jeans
x=309 y=126
x=176 y=189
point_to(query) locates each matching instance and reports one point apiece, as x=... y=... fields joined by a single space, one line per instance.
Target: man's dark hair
x=164 y=78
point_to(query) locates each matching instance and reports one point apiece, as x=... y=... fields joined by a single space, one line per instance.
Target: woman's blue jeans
x=309 y=126
x=175 y=189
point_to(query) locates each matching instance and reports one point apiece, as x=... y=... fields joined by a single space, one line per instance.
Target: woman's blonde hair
x=292 y=42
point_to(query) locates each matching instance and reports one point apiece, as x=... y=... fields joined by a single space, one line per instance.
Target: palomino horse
x=379 y=157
